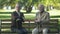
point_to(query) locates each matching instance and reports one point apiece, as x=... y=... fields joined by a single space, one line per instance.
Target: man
x=17 y=19
x=41 y=18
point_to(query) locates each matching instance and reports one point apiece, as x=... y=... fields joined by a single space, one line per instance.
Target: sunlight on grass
x=54 y=12
x=5 y=29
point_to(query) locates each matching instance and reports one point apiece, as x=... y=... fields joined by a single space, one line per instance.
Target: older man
x=41 y=18
x=17 y=19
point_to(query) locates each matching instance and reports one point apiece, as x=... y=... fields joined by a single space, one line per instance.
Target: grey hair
x=19 y=5
x=41 y=5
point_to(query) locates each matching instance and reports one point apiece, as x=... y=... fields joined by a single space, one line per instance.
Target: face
x=41 y=8
x=17 y=8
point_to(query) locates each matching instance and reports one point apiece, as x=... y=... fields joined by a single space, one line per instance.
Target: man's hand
x=17 y=19
x=37 y=20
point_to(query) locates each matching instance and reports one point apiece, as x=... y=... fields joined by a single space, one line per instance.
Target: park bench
x=29 y=25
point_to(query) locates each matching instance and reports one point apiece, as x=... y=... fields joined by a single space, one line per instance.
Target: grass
x=28 y=17
x=11 y=12
x=52 y=12
x=6 y=14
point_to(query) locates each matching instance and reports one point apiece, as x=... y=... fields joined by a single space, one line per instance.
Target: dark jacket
x=15 y=22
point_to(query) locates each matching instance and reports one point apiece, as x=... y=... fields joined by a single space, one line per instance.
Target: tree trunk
x=28 y=9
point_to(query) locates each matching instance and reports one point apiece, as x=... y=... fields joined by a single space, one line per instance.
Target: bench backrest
x=29 y=25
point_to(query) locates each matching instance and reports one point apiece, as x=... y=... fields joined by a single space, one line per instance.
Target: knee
x=45 y=30
x=34 y=31
x=25 y=31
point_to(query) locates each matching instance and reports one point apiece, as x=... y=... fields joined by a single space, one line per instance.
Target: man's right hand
x=17 y=19
x=37 y=21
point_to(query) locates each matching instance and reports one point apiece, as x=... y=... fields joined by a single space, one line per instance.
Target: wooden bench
x=29 y=25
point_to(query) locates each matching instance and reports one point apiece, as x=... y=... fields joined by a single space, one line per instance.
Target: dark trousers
x=19 y=31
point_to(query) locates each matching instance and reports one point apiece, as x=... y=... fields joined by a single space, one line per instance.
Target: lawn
x=6 y=14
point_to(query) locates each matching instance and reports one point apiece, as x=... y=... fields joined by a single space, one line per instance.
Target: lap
x=41 y=29
x=35 y=29
x=19 y=30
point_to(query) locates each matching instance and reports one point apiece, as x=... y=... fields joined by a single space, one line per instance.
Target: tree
x=28 y=4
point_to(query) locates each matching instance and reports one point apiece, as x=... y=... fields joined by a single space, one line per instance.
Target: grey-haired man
x=41 y=18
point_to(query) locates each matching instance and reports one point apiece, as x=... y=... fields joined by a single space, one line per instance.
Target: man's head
x=41 y=7
x=18 y=7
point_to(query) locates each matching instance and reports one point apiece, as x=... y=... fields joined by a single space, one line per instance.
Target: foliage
x=28 y=3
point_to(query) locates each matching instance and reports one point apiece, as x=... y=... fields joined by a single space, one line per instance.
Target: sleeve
x=36 y=18
x=13 y=19
x=23 y=18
